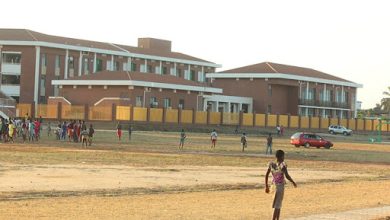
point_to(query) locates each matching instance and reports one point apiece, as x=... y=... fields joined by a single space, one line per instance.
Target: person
x=236 y=130
x=119 y=130
x=49 y=129
x=269 y=144
x=278 y=170
x=214 y=136
x=281 y=130
x=278 y=129
x=182 y=138
x=11 y=131
x=84 y=138
x=243 y=141
x=130 y=130
x=91 y=131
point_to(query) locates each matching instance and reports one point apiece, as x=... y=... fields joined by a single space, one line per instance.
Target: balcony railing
x=312 y=102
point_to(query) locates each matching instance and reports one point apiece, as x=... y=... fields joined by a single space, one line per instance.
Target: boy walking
x=269 y=144
x=278 y=170
x=182 y=138
x=243 y=141
x=214 y=136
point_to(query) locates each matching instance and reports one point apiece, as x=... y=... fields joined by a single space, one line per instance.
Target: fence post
x=254 y=119
x=299 y=121
x=208 y=116
x=113 y=112
x=193 y=116
x=241 y=118
x=310 y=127
x=148 y=114
x=59 y=111
x=288 y=120
x=32 y=108
x=221 y=119
x=179 y=116
x=266 y=120
x=131 y=113
x=86 y=112
x=164 y=118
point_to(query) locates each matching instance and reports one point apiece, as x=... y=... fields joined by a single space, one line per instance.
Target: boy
x=279 y=171
x=90 y=134
x=269 y=144
x=182 y=138
x=84 y=137
x=243 y=141
x=214 y=136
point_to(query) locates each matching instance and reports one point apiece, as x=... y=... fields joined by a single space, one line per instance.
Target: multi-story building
x=283 y=89
x=31 y=61
x=39 y=68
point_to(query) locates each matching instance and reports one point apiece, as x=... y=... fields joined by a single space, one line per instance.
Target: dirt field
x=148 y=178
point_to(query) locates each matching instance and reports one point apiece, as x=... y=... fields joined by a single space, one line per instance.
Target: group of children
x=27 y=128
x=75 y=131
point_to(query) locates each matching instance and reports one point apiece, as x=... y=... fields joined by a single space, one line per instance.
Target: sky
x=348 y=39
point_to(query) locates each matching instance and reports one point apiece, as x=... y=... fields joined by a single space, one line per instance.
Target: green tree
x=385 y=102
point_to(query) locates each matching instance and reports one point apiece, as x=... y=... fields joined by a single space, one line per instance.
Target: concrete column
x=36 y=76
x=189 y=71
x=146 y=65
x=80 y=63
x=94 y=63
x=161 y=68
x=307 y=98
x=66 y=64
x=216 y=106
x=203 y=76
x=174 y=71
x=112 y=63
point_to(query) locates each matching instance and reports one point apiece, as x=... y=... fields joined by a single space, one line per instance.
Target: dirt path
x=19 y=178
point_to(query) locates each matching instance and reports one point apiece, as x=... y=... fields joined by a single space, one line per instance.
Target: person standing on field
x=214 y=136
x=278 y=169
x=182 y=138
x=119 y=130
x=269 y=144
x=243 y=141
x=130 y=131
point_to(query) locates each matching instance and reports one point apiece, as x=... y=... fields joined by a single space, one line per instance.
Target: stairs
x=7 y=106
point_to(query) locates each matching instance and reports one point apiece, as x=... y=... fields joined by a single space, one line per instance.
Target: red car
x=309 y=139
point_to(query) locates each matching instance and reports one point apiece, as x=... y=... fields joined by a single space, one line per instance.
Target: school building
x=39 y=69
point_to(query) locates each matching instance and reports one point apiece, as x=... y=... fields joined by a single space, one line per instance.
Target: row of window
x=116 y=66
x=153 y=102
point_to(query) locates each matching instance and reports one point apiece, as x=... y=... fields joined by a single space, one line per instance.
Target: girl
x=278 y=170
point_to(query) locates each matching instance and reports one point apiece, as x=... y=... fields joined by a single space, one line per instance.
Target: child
x=91 y=131
x=269 y=144
x=278 y=170
x=130 y=130
x=84 y=137
x=243 y=141
x=182 y=138
x=214 y=136
x=119 y=130
x=49 y=129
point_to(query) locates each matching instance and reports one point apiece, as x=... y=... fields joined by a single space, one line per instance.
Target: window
x=116 y=66
x=10 y=79
x=173 y=71
x=269 y=90
x=43 y=60
x=201 y=77
x=71 y=66
x=269 y=109
x=186 y=74
x=133 y=67
x=178 y=73
x=181 y=104
x=143 y=68
x=192 y=75
x=164 y=70
x=11 y=58
x=149 y=69
x=42 y=86
x=86 y=66
x=99 y=65
x=108 y=66
x=157 y=69
x=138 y=101
x=167 y=103
x=153 y=102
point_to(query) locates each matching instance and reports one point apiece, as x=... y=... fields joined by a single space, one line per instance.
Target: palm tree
x=385 y=102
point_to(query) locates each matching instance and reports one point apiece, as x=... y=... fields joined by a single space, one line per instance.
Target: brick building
x=283 y=89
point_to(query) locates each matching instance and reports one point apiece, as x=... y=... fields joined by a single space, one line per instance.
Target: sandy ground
x=39 y=178
x=185 y=192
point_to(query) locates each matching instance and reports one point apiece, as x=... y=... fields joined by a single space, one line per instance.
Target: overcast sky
x=348 y=39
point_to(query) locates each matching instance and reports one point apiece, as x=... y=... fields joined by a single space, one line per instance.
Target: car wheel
x=297 y=145
x=332 y=132
x=345 y=133
x=327 y=146
x=307 y=145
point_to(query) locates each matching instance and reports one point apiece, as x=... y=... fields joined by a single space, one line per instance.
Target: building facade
x=283 y=89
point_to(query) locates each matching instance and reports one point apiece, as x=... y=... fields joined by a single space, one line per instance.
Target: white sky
x=348 y=39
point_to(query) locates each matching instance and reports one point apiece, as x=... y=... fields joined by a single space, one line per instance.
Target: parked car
x=309 y=140
x=337 y=129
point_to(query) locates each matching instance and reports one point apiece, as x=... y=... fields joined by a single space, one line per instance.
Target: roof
x=28 y=35
x=275 y=68
x=137 y=79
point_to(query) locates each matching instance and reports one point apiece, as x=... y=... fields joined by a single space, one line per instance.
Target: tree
x=385 y=102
